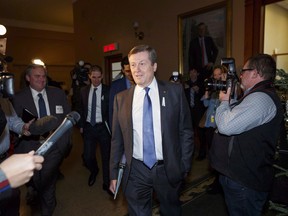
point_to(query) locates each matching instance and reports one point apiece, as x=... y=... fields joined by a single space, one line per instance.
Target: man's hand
x=25 y=128
x=112 y=186
x=19 y=168
x=225 y=96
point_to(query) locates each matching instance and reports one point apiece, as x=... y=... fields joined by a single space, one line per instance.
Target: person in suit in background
x=94 y=125
x=120 y=85
x=202 y=53
x=159 y=163
x=41 y=101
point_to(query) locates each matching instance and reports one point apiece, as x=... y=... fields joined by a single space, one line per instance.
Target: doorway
x=276 y=33
x=112 y=68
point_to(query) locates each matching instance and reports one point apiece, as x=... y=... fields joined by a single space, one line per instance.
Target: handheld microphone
x=71 y=119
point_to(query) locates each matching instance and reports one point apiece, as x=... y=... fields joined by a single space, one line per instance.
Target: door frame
x=254 y=26
x=109 y=60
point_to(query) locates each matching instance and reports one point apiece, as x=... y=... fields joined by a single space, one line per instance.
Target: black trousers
x=45 y=181
x=206 y=141
x=93 y=135
x=139 y=191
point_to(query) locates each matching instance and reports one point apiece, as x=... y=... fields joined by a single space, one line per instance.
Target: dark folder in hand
x=27 y=115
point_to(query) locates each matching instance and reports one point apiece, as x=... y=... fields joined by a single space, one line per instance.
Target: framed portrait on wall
x=217 y=19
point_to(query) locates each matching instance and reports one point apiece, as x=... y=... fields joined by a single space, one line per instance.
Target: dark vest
x=248 y=157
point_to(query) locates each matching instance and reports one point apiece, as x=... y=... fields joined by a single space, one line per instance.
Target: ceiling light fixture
x=38 y=62
x=3 y=30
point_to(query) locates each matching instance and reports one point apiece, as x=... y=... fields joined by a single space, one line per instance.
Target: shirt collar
x=98 y=87
x=35 y=93
x=152 y=86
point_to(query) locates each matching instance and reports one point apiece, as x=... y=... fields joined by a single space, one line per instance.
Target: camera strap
x=230 y=146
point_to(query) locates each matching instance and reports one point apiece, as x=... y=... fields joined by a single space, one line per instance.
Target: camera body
x=6 y=84
x=6 y=79
x=81 y=73
x=231 y=81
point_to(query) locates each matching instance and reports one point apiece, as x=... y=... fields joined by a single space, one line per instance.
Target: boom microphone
x=70 y=120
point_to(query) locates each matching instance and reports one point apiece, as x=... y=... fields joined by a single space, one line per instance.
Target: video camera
x=231 y=81
x=6 y=78
x=80 y=72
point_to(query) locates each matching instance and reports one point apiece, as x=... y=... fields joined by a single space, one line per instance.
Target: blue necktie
x=42 y=107
x=149 y=154
x=93 y=108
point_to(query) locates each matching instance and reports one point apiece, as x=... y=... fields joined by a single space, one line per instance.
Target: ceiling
x=283 y=4
x=44 y=14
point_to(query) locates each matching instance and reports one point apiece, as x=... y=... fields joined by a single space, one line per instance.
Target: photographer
x=79 y=76
x=211 y=101
x=244 y=145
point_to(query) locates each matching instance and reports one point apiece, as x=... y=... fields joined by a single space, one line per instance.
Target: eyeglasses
x=245 y=69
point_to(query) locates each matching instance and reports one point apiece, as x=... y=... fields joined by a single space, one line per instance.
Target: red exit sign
x=110 y=47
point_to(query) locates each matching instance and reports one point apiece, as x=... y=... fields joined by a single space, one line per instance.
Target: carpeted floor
x=76 y=198
x=196 y=202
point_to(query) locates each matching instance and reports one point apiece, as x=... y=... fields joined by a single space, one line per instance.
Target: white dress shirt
x=36 y=98
x=137 y=119
x=98 y=103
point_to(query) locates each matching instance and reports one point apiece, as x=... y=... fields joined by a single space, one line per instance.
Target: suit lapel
x=126 y=116
x=128 y=107
x=30 y=104
x=163 y=103
x=52 y=105
x=85 y=99
x=103 y=102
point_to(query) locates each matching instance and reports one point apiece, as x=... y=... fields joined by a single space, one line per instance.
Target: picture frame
x=218 y=20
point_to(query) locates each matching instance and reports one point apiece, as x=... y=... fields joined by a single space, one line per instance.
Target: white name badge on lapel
x=59 y=109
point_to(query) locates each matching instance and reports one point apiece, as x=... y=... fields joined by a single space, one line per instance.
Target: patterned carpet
x=191 y=191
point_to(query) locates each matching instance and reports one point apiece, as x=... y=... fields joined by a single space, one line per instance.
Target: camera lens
x=215 y=85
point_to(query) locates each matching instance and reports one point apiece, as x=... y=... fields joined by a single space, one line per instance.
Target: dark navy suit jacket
x=116 y=87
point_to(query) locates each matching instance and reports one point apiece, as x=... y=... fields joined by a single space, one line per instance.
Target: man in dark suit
x=202 y=53
x=55 y=103
x=120 y=85
x=94 y=125
x=170 y=130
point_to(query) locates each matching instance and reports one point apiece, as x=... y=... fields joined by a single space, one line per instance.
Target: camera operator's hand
x=225 y=95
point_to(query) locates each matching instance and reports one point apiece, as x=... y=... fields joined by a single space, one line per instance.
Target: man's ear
x=255 y=74
x=155 y=67
x=27 y=77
